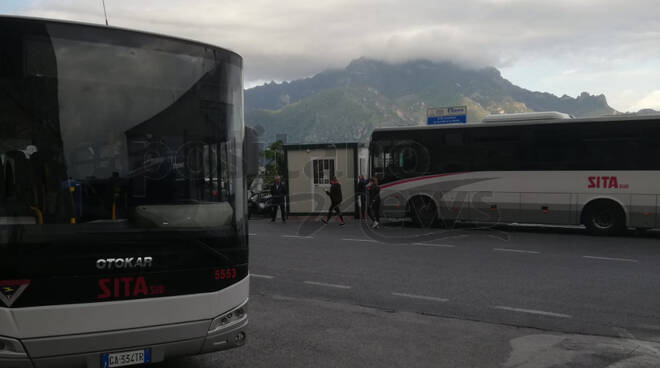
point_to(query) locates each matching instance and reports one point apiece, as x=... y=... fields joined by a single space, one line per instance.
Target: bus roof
x=102 y=26
x=603 y=119
x=526 y=116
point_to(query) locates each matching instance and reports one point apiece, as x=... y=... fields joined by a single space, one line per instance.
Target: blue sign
x=446 y=119
x=446 y=115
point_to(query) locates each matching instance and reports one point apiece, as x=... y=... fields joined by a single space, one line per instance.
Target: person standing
x=362 y=197
x=374 y=202
x=278 y=199
x=335 y=201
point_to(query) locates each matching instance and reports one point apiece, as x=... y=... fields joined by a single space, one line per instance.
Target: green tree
x=275 y=164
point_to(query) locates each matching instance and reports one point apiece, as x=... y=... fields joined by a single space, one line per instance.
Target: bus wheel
x=604 y=217
x=423 y=211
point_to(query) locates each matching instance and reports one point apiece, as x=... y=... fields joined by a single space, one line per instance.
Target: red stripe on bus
x=418 y=179
x=14 y=282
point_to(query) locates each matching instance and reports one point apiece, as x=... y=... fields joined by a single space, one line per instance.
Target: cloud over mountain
x=347 y=104
x=611 y=44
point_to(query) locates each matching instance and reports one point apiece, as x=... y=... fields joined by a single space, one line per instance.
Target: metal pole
x=105 y=14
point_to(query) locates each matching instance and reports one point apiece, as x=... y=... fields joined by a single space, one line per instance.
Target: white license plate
x=126 y=358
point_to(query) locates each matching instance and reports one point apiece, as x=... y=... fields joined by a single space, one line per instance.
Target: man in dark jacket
x=335 y=201
x=278 y=198
x=361 y=193
x=374 y=202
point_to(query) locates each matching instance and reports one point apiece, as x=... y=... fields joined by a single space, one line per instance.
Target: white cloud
x=650 y=101
x=287 y=39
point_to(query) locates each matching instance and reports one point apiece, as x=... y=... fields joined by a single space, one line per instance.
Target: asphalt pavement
x=325 y=295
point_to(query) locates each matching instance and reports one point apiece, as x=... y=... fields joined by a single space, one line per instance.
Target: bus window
x=453 y=155
x=649 y=151
x=496 y=149
x=555 y=147
x=376 y=151
x=613 y=147
x=411 y=158
x=454 y=139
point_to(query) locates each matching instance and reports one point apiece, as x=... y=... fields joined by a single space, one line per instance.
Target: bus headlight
x=229 y=318
x=11 y=348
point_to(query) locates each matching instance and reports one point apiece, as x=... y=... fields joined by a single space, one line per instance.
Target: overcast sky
x=559 y=46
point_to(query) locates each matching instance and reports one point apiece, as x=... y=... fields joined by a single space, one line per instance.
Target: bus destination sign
x=446 y=115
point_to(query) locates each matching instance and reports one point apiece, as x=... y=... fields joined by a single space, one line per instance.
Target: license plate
x=126 y=358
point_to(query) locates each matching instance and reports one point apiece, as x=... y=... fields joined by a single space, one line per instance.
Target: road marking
x=337 y=286
x=261 y=276
x=361 y=240
x=611 y=259
x=532 y=311
x=516 y=250
x=423 y=297
x=298 y=236
x=435 y=245
x=252 y=234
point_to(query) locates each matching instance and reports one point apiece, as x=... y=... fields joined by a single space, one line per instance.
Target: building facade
x=310 y=167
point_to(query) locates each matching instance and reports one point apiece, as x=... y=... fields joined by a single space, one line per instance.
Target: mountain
x=347 y=104
x=647 y=112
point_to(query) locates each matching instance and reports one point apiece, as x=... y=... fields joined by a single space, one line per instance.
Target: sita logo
x=128 y=286
x=603 y=182
x=10 y=290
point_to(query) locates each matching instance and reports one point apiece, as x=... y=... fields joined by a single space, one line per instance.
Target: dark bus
x=123 y=230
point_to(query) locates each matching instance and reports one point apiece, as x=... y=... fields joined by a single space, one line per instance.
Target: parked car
x=259 y=204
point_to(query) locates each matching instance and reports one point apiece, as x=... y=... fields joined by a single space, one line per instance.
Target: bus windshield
x=117 y=145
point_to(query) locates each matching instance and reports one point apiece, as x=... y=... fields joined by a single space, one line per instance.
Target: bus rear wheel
x=604 y=217
x=423 y=211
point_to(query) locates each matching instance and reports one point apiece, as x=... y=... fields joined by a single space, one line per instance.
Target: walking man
x=278 y=199
x=374 y=202
x=335 y=201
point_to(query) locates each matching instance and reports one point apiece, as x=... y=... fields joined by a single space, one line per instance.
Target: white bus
x=123 y=232
x=540 y=168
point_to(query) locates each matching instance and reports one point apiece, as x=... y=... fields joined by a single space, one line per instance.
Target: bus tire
x=422 y=211
x=604 y=217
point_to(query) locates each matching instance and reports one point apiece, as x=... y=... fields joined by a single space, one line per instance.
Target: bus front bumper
x=46 y=352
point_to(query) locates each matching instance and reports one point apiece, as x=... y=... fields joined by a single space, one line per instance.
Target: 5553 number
x=225 y=273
